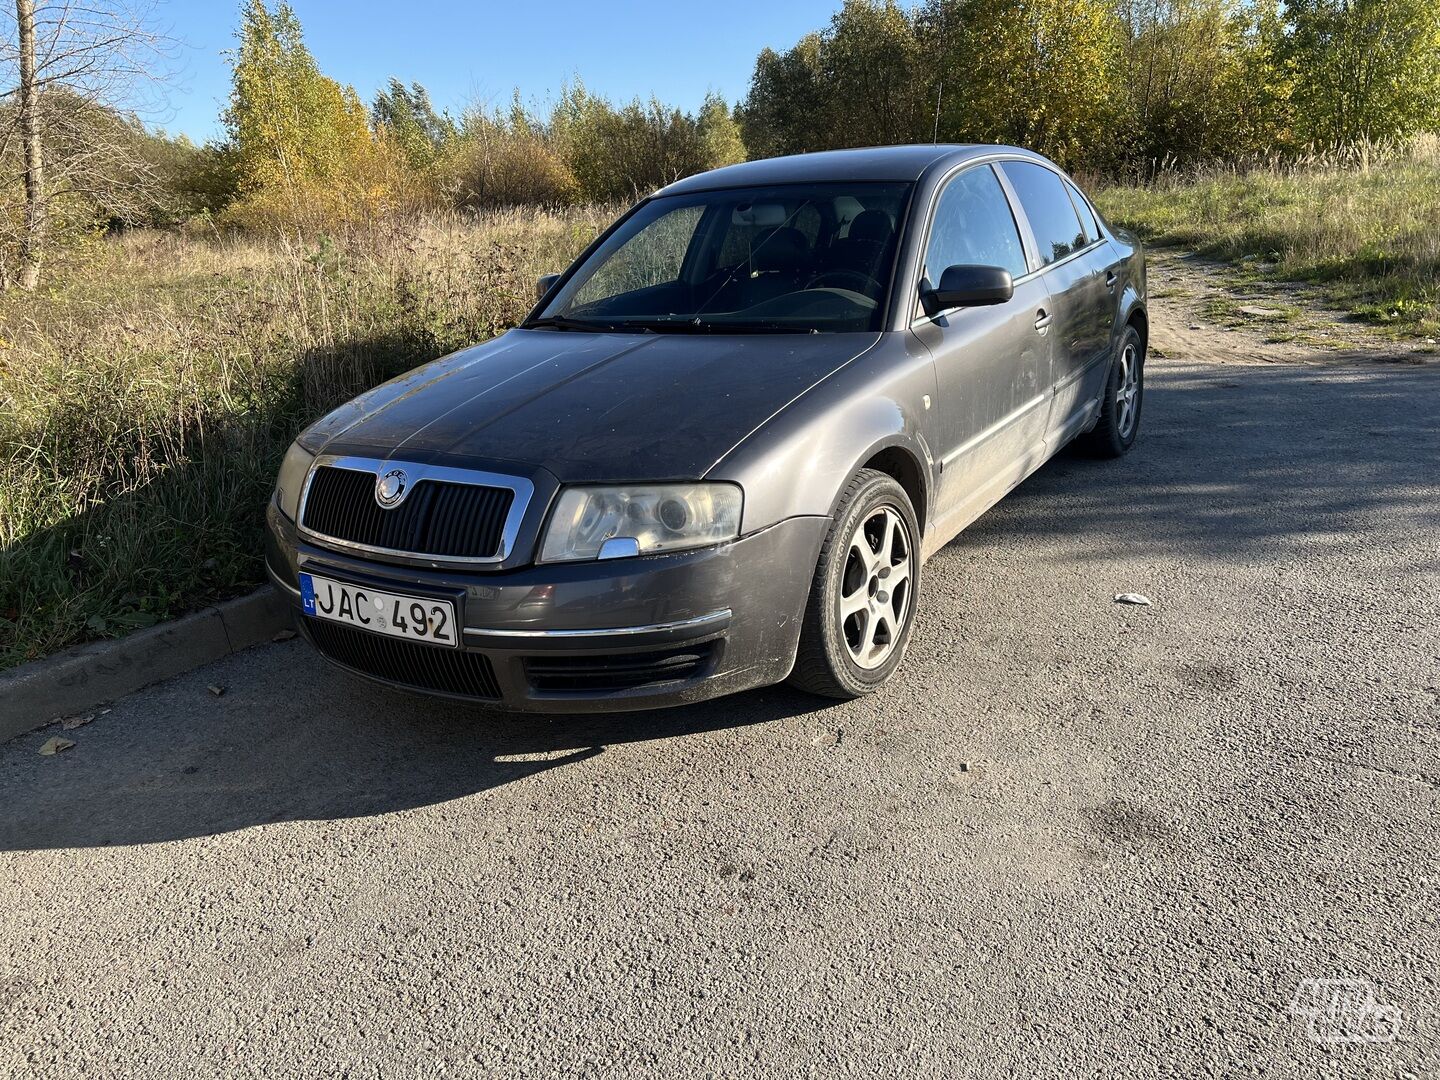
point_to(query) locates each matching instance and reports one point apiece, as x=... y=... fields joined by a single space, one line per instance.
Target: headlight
x=291 y=481
x=608 y=522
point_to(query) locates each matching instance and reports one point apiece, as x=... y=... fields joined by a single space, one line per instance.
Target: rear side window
x=1087 y=216
x=1052 y=216
x=974 y=226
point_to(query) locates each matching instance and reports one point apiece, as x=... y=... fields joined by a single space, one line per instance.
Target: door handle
x=1109 y=279
x=1042 y=320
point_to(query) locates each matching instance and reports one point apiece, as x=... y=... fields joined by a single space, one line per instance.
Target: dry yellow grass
x=147 y=394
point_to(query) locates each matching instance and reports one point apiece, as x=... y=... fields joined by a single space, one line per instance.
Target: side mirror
x=544 y=285
x=968 y=286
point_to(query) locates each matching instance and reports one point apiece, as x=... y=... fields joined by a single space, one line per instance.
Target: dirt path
x=1206 y=310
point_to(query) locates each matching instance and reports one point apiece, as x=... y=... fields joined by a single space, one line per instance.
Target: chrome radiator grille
x=438 y=517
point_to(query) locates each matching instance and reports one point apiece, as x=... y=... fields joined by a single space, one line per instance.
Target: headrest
x=872 y=225
x=781 y=249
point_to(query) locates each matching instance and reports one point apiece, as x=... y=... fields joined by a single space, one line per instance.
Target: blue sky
x=463 y=51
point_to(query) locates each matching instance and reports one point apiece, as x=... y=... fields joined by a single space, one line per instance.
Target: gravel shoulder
x=1074 y=838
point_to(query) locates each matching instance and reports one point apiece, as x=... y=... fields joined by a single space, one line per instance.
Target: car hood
x=588 y=407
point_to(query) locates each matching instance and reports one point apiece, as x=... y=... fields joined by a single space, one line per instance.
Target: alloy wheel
x=875 y=587
x=1127 y=392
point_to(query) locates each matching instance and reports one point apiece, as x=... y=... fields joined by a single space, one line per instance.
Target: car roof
x=894 y=163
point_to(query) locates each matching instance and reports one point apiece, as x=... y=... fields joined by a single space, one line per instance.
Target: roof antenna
x=939 y=90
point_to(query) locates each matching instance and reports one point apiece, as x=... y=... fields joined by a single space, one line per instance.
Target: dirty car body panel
x=746 y=371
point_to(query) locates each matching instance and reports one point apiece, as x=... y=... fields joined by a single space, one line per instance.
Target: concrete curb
x=38 y=693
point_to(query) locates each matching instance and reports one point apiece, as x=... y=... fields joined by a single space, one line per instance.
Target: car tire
x=861 y=610
x=1119 y=423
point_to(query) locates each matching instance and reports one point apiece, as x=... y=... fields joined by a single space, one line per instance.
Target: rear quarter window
x=1087 y=215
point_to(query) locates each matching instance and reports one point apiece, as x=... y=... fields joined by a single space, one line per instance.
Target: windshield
x=795 y=258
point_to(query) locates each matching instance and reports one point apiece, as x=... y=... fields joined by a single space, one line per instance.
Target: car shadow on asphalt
x=292 y=739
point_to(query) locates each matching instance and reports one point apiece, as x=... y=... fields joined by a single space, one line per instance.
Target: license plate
x=417 y=618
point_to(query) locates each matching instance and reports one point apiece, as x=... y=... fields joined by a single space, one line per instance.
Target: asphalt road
x=1074 y=838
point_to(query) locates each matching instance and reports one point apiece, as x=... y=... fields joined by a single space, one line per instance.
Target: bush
x=497 y=168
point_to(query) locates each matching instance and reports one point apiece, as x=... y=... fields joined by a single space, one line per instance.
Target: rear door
x=992 y=364
x=1104 y=262
x=1072 y=263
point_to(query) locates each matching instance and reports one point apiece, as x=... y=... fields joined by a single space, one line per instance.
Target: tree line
x=334 y=159
x=1114 y=86
x=1120 y=87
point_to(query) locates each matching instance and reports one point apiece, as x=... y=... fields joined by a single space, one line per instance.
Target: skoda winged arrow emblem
x=391 y=488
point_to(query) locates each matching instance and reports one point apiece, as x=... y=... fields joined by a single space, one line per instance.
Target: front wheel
x=1119 y=422
x=862 y=599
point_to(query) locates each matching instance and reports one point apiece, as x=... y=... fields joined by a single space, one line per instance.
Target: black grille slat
x=438 y=517
x=617 y=671
x=422 y=667
x=414 y=532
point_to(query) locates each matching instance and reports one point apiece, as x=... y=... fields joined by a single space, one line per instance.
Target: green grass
x=149 y=391
x=1365 y=228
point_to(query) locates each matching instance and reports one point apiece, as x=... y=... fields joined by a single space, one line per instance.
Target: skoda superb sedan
x=718 y=452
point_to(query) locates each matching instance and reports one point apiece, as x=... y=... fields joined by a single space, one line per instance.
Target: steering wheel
x=840 y=278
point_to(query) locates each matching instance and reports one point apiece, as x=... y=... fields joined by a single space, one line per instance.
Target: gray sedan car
x=720 y=449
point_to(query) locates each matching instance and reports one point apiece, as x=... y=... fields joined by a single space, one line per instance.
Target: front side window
x=793 y=258
x=973 y=226
x=1052 y=216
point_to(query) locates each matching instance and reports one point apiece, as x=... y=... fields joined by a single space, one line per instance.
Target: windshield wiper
x=687 y=325
x=722 y=326
x=693 y=325
x=589 y=326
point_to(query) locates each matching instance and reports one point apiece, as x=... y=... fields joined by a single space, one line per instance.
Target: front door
x=992 y=364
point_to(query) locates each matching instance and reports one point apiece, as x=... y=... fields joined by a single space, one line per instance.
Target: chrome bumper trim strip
x=683 y=624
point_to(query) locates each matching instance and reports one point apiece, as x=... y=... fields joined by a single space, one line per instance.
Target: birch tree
x=72 y=77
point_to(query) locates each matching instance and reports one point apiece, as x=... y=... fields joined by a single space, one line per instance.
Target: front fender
x=799 y=461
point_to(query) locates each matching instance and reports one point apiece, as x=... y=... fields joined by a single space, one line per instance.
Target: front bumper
x=620 y=634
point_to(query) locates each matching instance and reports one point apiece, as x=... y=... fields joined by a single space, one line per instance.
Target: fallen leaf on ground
x=284 y=635
x=1132 y=598
x=218 y=690
x=54 y=745
x=70 y=723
